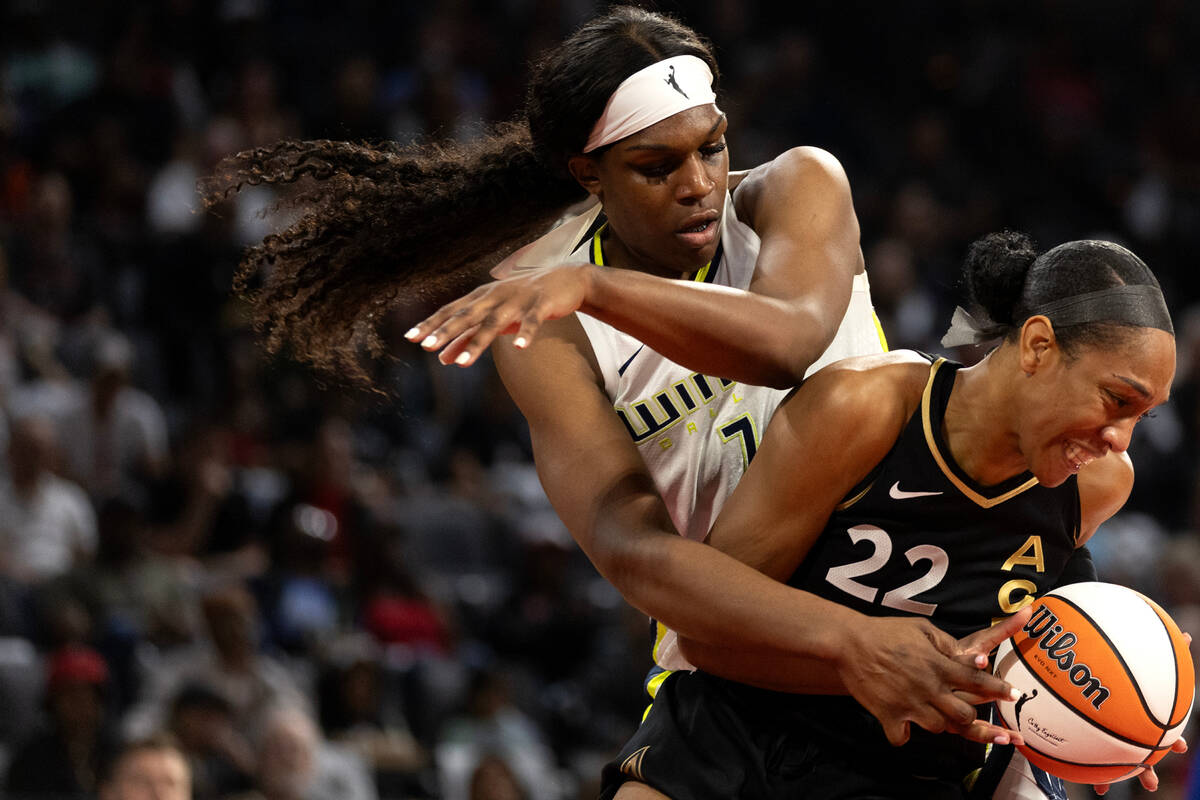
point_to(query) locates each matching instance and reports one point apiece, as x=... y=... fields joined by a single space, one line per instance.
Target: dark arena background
x=248 y=536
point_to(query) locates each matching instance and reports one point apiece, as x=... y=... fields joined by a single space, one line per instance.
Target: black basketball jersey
x=920 y=537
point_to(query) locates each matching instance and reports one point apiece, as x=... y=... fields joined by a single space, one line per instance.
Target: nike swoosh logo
x=896 y=493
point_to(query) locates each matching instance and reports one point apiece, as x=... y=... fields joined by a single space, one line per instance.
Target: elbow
x=623 y=558
x=798 y=346
x=793 y=355
x=785 y=375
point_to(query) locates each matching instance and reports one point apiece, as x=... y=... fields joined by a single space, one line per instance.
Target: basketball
x=1106 y=682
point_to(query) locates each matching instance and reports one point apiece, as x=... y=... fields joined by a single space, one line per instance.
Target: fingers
x=1180 y=745
x=429 y=330
x=956 y=714
x=985 y=641
x=458 y=351
x=981 y=684
x=1147 y=776
x=960 y=717
x=530 y=325
x=986 y=732
x=973 y=660
x=483 y=329
x=464 y=329
x=897 y=732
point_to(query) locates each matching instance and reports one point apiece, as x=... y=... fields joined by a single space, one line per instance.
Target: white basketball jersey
x=696 y=432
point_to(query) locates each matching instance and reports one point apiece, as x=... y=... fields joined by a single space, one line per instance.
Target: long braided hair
x=387 y=226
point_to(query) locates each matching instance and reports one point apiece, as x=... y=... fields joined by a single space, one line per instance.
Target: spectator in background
x=134 y=597
x=47 y=523
x=198 y=510
x=153 y=768
x=295 y=762
x=134 y=591
x=61 y=259
x=331 y=478
x=220 y=756
x=64 y=758
x=301 y=604
x=396 y=609
x=491 y=725
x=118 y=433
x=228 y=660
x=357 y=710
x=493 y=779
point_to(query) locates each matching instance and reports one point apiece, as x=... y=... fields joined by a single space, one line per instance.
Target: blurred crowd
x=318 y=592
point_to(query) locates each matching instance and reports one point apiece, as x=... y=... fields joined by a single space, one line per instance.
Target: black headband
x=1141 y=306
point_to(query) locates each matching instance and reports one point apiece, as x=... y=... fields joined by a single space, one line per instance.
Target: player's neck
x=617 y=256
x=976 y=425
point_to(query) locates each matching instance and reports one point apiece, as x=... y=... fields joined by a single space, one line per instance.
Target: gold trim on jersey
x=976 y=497
x=847 y=503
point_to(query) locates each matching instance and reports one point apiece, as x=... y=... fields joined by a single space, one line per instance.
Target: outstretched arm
x=801 y=208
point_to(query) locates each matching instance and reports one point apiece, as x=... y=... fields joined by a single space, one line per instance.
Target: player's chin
x=1052 y=471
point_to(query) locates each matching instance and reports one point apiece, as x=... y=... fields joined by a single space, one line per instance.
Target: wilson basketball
x=1106 y=679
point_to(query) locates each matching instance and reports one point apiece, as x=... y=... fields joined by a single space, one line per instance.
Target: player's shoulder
x=898 y=371
x=877 y=390
x=805 y=171
x=797 y=165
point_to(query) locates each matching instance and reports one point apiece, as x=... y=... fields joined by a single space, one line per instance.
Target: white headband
x=651 y=95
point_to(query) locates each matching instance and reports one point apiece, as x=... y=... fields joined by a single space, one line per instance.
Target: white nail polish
x=412 y=334
x=1014 y=694
x=519 y=341
x=462 y=358
x=430 y=341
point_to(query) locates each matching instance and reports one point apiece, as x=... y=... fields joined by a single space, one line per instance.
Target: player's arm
x=599 y=485
x=1104 y=486
x=819 y=445
x=801 y=208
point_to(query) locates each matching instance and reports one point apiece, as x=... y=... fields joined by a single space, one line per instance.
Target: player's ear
x=1037 y=343
x=586 y=171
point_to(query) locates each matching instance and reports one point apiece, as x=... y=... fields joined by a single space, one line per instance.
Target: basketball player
x=900 y=484
x=624 y=111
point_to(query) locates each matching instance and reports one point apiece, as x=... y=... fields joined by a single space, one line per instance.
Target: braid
x=381 y=228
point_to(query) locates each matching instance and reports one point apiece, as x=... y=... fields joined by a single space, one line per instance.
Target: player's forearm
x=712 y=598
x=766 y=669
x=716 y=330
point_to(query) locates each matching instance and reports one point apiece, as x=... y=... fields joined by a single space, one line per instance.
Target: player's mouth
x=700 y=230
x=1077 y=456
